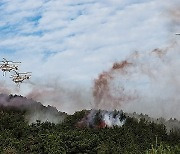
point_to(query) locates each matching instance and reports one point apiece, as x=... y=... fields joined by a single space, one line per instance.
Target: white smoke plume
x=34 y=110
x=67 y=98
x=102 y=119
x=113 y=120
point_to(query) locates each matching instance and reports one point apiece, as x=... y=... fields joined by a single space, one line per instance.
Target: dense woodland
x=135 y=136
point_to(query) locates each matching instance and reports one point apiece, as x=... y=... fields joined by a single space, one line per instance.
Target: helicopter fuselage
x=20 y=79
x=7 y=68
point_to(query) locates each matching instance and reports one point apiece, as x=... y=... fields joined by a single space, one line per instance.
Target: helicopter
x=20 y=77
x=8 y=66
x=177 y=34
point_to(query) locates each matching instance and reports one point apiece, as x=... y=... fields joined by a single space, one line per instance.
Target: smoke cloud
x=102 y=119
x=67 y=98
x=34 y=110
x=4 y=88
x=144 y=82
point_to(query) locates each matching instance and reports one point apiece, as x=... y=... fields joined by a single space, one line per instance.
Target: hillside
x=94 y=131
x=34 y=110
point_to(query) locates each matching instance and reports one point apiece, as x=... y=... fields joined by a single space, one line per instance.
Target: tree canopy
x=135 y=136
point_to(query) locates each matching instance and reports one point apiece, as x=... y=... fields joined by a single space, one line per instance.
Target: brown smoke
x=162 y=52
x=102 y=87
x=121 y=66
x=146 y=82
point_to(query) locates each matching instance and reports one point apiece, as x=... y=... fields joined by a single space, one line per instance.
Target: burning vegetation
x=118 y=134
x=102 y=119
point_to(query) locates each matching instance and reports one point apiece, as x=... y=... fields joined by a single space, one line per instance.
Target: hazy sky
x=75 y=40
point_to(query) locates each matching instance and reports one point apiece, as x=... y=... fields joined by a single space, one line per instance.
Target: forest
x=17 y=136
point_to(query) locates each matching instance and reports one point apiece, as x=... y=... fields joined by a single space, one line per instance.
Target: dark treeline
x=135 y=136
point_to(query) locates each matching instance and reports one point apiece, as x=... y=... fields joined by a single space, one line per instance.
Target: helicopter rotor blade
x=7 y=61
x=16 y=62
x=25 y=73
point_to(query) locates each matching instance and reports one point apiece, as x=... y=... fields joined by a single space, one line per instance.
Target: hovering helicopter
x=8 y=66
x=177 y=34
x=20 y=77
